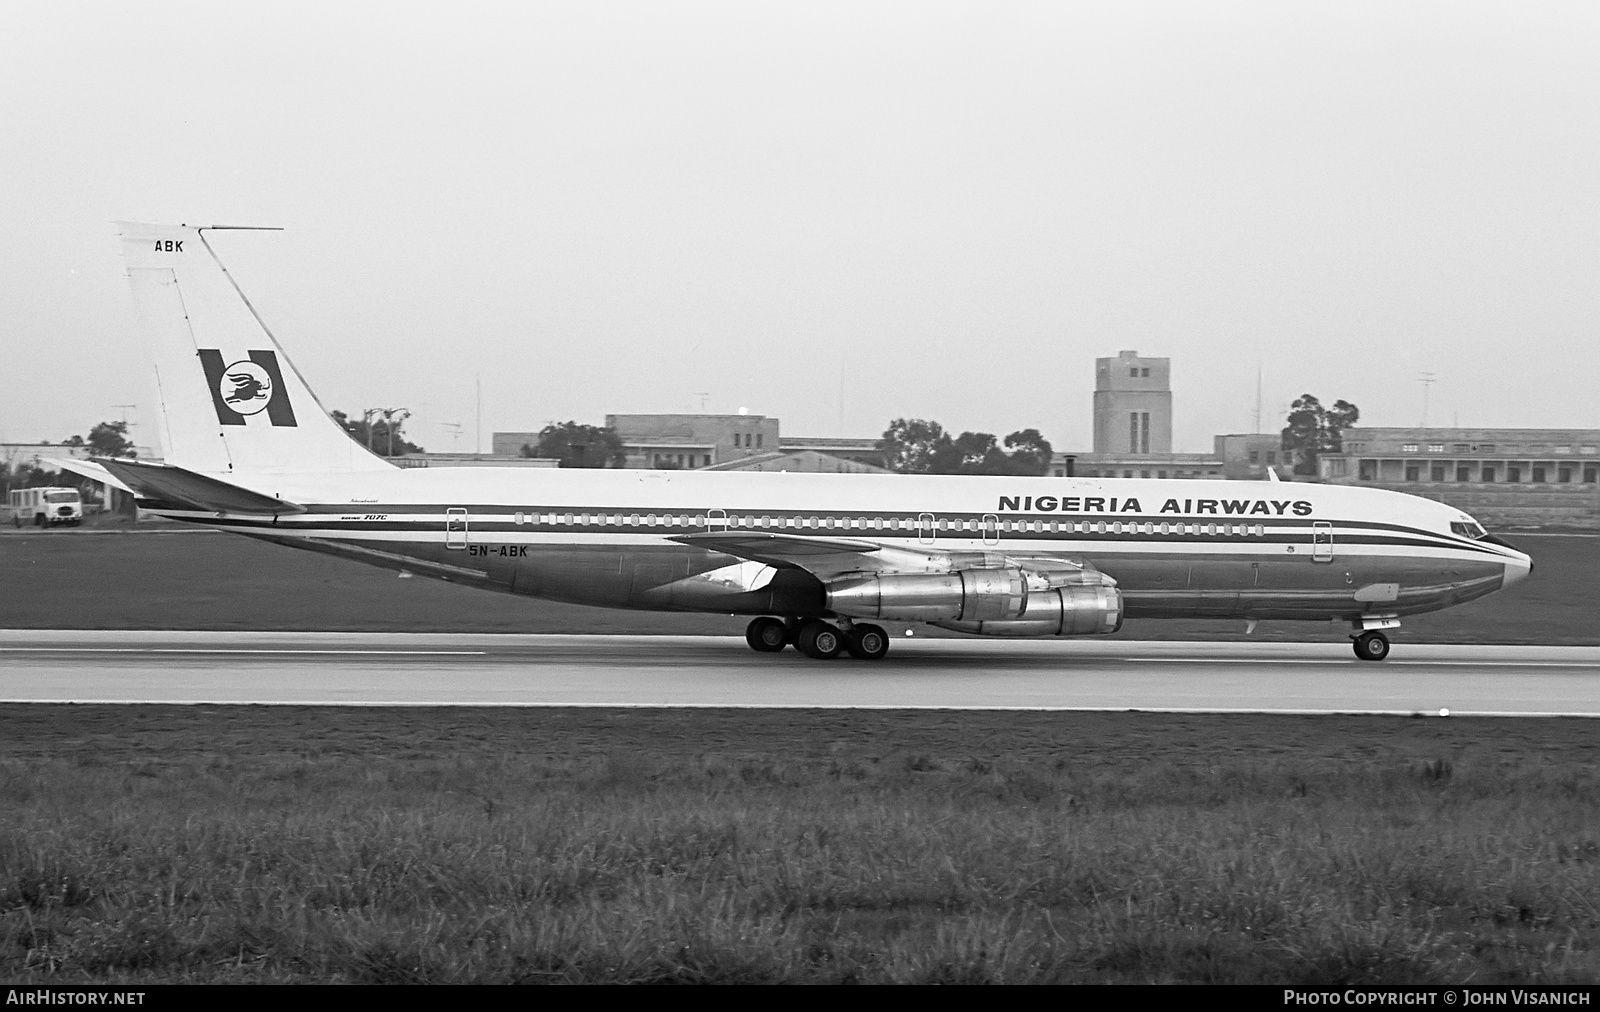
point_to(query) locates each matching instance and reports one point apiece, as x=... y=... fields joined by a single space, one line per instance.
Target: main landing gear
x=818 y=639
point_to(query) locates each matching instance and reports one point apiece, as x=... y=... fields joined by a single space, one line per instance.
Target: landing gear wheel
x=820 y=640
x=768 y=635
x=1371 y=646
x=867 y=643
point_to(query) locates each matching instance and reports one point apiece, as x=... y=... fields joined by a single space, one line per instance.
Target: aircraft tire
x=1371 y=646
x=867 y=643
x=820 y=640
x=766 y=635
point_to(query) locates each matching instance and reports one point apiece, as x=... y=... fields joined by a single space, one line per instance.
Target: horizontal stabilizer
x=88 y=469
x=167 y=483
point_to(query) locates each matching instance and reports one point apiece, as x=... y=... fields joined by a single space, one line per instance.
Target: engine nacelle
x=1079 y=610
x=970 y=596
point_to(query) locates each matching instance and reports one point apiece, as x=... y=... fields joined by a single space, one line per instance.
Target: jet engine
x=1079 y=610
x=970 y=595
x=1049 y=598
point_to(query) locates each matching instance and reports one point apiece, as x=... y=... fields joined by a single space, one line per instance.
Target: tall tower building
x=1132 y=404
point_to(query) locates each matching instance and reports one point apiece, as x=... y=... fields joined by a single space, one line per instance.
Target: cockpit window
x=1467 y=529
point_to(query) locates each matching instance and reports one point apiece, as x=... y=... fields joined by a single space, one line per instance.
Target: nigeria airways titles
x=1183 y=507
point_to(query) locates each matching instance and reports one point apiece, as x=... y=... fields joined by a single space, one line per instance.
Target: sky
x=832 y=213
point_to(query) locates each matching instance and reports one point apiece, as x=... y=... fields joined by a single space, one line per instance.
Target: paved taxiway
x=402 y=669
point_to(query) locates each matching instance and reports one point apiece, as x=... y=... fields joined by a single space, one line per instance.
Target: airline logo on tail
x=247 y=387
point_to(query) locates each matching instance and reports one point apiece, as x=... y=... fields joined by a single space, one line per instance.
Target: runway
x=667 y=671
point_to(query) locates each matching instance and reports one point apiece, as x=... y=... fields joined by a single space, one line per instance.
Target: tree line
x=920 y=446
x=909 y=445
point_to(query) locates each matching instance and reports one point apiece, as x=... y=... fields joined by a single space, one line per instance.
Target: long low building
x=1504 y=477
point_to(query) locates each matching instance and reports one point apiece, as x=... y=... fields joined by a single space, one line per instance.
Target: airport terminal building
x=1503 y=477
x=722 y=442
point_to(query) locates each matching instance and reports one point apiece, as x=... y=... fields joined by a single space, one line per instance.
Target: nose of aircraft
x=1517 y=570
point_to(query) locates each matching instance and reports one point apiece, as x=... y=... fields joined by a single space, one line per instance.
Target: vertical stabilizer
x=230 y=400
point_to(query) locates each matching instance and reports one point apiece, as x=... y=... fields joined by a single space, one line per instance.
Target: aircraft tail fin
x=230 y=400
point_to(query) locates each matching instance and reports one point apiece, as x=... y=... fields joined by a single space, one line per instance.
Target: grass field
x=285 y=844
x=74 y=579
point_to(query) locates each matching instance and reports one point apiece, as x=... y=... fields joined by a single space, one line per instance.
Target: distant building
x=690 y=441
x=862 y=450
x=1130 y=465
x=1133 y=425
x=510 y=444
x=1248 y=456
x=472 y=460
x=804 y=461
x=698 y=441
x=1504 y=477
x=1132 y=405
x=1133 y=432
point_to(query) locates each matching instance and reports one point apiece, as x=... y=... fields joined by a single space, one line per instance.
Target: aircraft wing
x=828 y=558
x=176 y=485
x=823 y=557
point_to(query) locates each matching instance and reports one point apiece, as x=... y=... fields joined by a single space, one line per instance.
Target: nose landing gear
x=1371 y=646
x=1368 y=638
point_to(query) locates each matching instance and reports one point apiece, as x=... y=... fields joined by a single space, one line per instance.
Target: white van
x=41 y=506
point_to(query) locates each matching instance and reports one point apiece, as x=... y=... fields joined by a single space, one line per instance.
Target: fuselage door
x=925 y=533
x=716 y=520
x=455 y=527
x=1321 y=541
x=991 y=529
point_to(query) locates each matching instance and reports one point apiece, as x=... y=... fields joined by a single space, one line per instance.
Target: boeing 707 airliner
x=817 y=560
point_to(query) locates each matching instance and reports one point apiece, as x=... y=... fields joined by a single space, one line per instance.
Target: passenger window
x=699 y=520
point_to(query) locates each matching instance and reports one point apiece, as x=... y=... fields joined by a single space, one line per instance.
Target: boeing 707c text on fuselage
x=817 y=559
